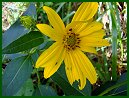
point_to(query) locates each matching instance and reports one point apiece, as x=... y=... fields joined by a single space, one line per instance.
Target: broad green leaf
x=109 y=89
x=122 y=90
x=102 y=87
x=47 y=45
x=60 y=78
x=15 y=75
x=28 y=41
x=44 y=90
x=27 y=89
x=118 y=87
x=35 y=56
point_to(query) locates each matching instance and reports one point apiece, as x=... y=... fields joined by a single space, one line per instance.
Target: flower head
x=27 y=21
x=81 y=35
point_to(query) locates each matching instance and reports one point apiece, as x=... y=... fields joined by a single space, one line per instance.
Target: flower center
x=71 y=40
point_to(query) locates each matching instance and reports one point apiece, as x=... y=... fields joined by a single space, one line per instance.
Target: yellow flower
x=82 y=34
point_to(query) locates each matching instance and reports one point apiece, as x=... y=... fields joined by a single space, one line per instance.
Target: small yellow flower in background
x=82 y=34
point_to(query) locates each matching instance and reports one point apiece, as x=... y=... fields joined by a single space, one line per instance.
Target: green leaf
x=122 y=90
x=48 y=44
x=113 y=87
x=35 y=56
x=27 y=89
x=28 y=41
x=102 y=88
x=118 y=87
x=60 y=78
x=15 y=75
x=44 y=90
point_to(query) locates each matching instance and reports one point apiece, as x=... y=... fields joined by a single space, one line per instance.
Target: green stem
x=69 y=9
x=113 y=87
x=68 y=15
x=114 y=42
x=61 y=5
x=107 y=75
x=36 y=73
x=38 y=77
x=100 y=75
x=119 y=28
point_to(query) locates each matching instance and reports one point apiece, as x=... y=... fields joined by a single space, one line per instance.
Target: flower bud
x=28 y=22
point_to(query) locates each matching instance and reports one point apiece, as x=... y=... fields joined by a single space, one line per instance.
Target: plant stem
x=36 y=73
x=69 y=9
x=119 y=29
x=113 y=29
x=38 y=77
x=106 y=66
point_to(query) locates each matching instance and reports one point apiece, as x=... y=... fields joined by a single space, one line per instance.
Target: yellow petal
x=98 y=34
x=80 y=69
x=91 y=28
x=52 y=68
x=93 y=42
x=69 y=69
x=48 y=31
x=76 y=26
x=86 y=66
x=86 y=11
x=82 y=83
x=55 y=20
x=47 y=55
x=76 y=72
x=82 y=26
x=88 y=49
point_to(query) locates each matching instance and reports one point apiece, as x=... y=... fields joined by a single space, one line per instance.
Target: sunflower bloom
x=81 y=35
